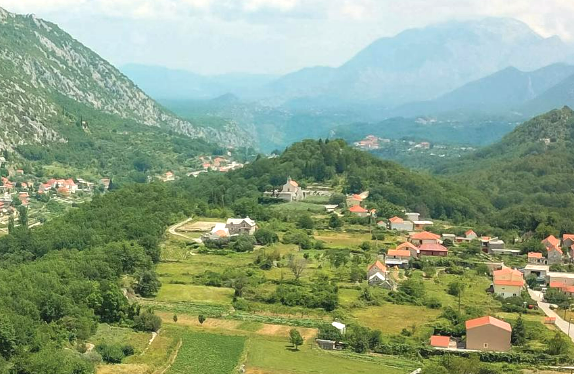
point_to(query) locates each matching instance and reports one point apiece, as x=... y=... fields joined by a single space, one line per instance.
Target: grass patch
x=276 y=356
x=203 y=353
x=250 y=326
x=107 y=334
x=391 y=318
x=186 y=292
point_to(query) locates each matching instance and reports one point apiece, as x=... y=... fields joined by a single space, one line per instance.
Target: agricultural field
x=204 y=353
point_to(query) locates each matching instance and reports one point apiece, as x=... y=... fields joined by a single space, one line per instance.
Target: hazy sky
x=266 y=36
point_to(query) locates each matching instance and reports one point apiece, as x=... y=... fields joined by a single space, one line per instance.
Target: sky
x=267 y=36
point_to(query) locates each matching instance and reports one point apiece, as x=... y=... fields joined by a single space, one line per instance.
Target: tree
x=266 y=236
x=7 y=339
x=243 y=243
x=23 y=216
x=518 y=332
x=456 y=288
x=147 y=284
x=295 y=338
x=147 y=321
x=201 y=318
x=532 y=281
x=305 y=222
x=175 y=318
x=297 y=266
x=11 y=225
x=335 y=222
x=557 y=345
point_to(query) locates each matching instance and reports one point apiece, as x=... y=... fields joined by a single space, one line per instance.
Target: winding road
x=564 y=326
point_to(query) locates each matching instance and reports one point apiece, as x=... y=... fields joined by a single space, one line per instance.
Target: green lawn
x=275 y=356
x=203 y=353
x=187 y=292
x=107 y=334
x=391 y=318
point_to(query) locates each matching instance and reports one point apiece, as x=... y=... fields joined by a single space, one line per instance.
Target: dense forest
x=527 y=176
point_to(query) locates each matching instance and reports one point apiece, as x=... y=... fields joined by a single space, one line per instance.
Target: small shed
x=340 y=326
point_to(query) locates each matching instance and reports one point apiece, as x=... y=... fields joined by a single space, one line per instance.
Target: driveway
x=560 y=323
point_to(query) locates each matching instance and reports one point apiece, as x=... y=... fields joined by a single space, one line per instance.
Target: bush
x=433 y=303
x=147 y=321
x=111 y=354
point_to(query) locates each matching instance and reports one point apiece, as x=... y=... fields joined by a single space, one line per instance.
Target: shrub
x=147 y=321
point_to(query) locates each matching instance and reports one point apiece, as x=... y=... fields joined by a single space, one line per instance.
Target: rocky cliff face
x=40 y=63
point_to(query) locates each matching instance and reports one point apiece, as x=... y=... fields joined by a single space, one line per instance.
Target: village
x=414 y=282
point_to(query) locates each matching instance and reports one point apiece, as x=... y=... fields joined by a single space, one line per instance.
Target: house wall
x=488 y=338
x=507 y=291
x=402 y=226
x=554 y=257
x=433 y=253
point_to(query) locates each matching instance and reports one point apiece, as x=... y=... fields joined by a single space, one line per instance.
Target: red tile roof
x=534 y=255
x=358 y=209
x=498 y=273
x=407 y=245
x=379 y=265
x=556 y=284
x=396 y=219
x=469 y=232
x=488 y=320
x=433 y=247
x=357 y=197
x=425 y=235
x=568 y=236
x=550 y=249
x=399 y=253
x=552 y=240
x=440 y=341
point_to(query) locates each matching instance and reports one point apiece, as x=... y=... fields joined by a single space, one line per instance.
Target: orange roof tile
x=498 y=273
x=357 y=197
x=550 y=249
x=221 y=233
x=396 y=219
x=470 y=232
x=407 y=245
x=358 y=209
x=534 y=255
x=379 y=265
x=425 y=235
x=501 y=282
x=433 y=247
x=556 y=284
x=568 y=236
x=552 y=240
x=440 y=341
x=488 y=320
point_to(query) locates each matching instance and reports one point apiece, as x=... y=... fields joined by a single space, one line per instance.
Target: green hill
x=529 y=174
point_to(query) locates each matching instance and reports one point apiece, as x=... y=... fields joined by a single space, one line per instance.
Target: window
x=485 y=345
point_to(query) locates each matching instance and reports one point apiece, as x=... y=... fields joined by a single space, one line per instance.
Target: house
x=567 y=240
x=398 y=257
x=70 y=185
x=536 y=258
x=470 y=234
x=558 y=279
x=507 y=282
x=44 y=188
x=328 y=345
x=64 y=191
x=433 y=249
x=241 y=226
x=554 y=255
x=568 y=290
x=105 y=182
x=409 y=247
x=169 y=176
x=218 y=232
x=551 y=241
x=488 y=334
x=359 y=211
x=440 y=341
x=399 y=224
x=291 y=191
x=331 y=208
x=354 y=200
x=377 y=275
x=421 y=225
x=424 y=237
x=540 y=271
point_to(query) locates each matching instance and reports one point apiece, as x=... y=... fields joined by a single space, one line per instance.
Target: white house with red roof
x=291 y=191
x=507 y=282
x=359 y=211
x=399 y=224
x=424 y=237
x=378 y=275
x=398 y=257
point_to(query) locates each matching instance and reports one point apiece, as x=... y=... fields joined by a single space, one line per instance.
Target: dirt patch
x=123 y=369
x=186 y=320
x=197 y=226
x=281 y=330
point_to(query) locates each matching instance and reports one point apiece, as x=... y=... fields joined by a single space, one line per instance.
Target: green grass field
x=188 y=292
x=391 y=318
x=203 y=353
x=274 y=356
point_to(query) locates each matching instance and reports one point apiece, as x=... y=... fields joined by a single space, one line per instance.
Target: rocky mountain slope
x=40 y=65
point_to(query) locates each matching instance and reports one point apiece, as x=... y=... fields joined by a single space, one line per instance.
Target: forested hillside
x=528 y=175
